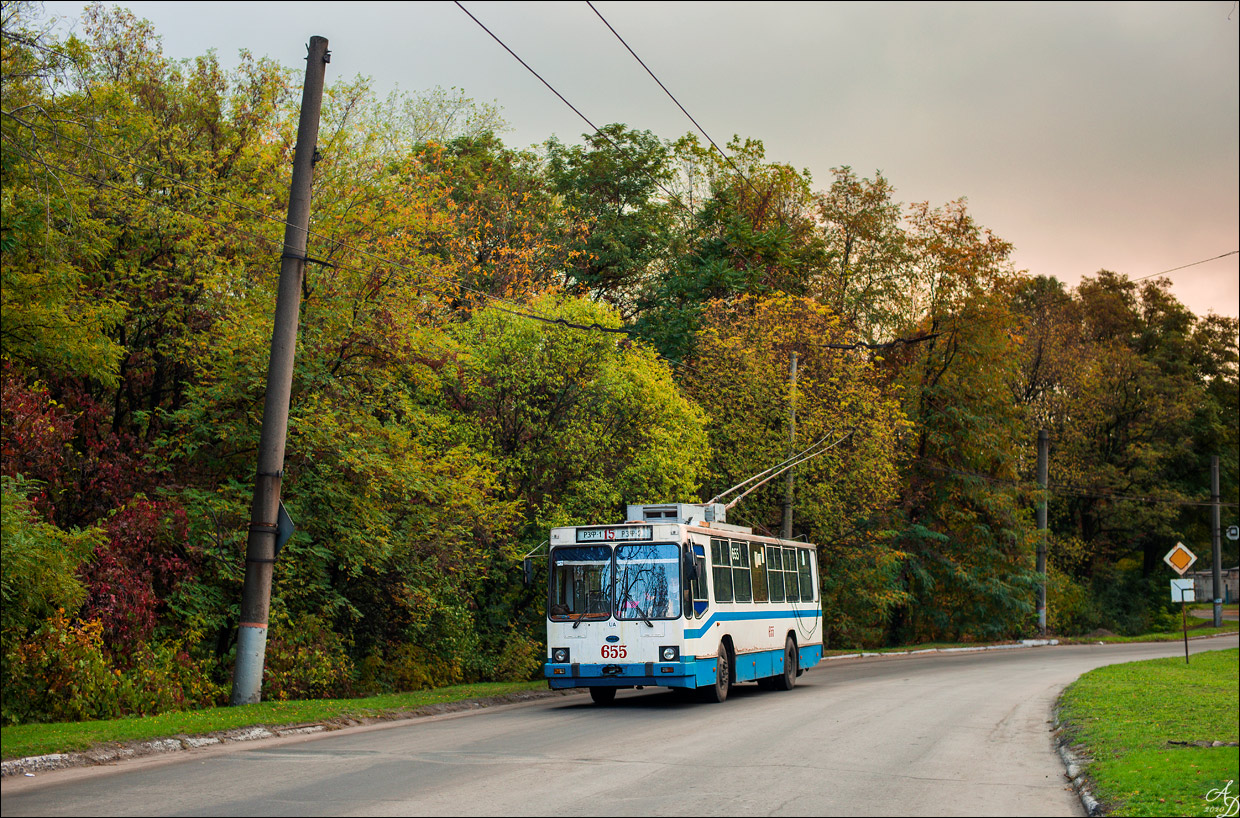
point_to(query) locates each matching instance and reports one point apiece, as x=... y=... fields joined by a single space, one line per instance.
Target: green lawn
x=1125 y=717
x=24 y=740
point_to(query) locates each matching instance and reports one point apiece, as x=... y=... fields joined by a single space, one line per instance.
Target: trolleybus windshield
x=580 y=582
x=648 y=581
x=634 y=582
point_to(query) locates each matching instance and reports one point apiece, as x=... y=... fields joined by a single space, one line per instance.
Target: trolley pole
x=1217 y=543
x=260 y=547
x=1043 y=456
x=786 y=533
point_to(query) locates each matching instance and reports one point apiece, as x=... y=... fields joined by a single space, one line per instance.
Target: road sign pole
x=1184 y=617
x=1216 y=542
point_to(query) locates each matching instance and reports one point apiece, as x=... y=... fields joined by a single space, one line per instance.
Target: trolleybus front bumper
x=688 y=672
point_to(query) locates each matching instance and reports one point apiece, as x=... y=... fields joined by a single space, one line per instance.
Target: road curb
x=113 y=753
x=108 y=754
x=1075 y=770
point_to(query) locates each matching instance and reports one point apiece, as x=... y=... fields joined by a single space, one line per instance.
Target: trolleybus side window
x=648 y=581
x=774 y=573
x=579 y=582
x=757 y=568
x=721 y=561
x=792 y=590
x=700 y=600
x=742 y=587
x=805 y=575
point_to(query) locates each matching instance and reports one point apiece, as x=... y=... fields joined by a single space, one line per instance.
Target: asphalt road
x=934 y=734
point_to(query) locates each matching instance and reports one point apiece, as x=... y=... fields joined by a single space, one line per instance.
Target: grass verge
x=1203 y=627
x=1125 y=718
x=24 y=740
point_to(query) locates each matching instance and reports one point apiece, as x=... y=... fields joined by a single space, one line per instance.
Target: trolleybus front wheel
x=718 y=692
x=603 y=695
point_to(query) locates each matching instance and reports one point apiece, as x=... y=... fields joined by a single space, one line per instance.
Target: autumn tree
x=740 y=377
x=967 y=528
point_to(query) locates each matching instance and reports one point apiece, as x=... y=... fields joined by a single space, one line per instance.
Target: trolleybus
x=676 y=597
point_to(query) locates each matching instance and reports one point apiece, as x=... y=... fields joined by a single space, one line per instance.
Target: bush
x=65 y=673
x=146 y=557
x=60 y=674
x=1069 y=608
x=38 y=572
x=400 y=668
x=520 y=659
x=305 y=660
x=1117 y=598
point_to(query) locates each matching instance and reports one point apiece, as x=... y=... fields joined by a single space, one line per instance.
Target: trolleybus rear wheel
x=788 y=678
x=603 y=695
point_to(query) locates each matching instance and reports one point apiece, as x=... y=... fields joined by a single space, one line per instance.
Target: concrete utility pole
x=261 y=546
x=1043 y=456
x=786 y=533
x=1216 y=541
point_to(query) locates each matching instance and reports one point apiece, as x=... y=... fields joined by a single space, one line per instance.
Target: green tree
x=754 y=233
x=578 y=422
x=613 y=184
x=1137 y=394
x=868 y=264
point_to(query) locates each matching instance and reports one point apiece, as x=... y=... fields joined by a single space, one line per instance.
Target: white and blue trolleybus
x=676 y=597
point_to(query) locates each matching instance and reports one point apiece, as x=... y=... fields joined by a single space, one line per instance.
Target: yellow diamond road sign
x=1180 y=558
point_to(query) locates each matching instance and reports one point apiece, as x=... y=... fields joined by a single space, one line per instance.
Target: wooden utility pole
x=1216 y=541
x=1043 y=457
x=786 y=532
x=261 y=545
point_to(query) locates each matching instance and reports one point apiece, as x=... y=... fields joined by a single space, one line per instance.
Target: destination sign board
x=626 y=533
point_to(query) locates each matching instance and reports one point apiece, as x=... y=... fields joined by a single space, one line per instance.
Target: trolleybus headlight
x=669 y=653
x=560 y=656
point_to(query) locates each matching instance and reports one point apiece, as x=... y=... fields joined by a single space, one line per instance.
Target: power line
x=550 y=87
x=673 y=98
x=672 y=197
x=1185 y=266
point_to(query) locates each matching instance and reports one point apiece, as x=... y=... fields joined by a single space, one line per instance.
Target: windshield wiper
x=580 y=617
x=640 y=612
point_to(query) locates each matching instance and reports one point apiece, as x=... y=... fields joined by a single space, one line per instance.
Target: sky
x=1089 y=135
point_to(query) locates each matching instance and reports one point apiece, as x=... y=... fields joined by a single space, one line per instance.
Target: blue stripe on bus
x=736 y=616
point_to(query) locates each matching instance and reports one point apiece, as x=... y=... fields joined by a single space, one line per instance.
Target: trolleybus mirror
x=527 y=567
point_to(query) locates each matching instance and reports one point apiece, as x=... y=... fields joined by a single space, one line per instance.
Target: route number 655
x=614 y=652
